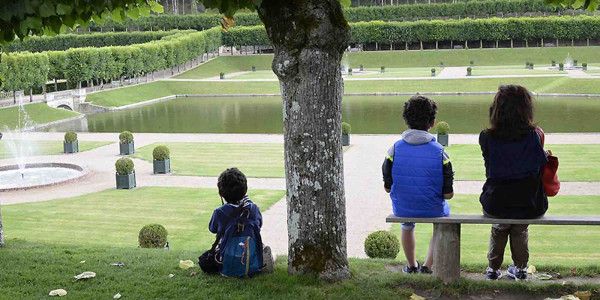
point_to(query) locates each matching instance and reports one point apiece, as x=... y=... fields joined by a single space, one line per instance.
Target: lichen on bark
x=309 y=38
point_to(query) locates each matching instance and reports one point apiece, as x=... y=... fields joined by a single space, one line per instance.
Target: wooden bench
x=446 y=230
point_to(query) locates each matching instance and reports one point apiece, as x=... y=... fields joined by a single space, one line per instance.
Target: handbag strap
x=540 y=133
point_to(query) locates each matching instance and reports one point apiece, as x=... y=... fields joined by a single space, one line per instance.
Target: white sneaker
x=268 y=260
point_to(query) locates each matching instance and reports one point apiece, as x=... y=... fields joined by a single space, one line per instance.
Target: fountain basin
x=38 y=175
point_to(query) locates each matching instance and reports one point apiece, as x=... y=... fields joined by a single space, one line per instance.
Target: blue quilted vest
x=418 y=181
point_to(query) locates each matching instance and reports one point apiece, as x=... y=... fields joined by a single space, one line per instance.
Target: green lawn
x=577 y=162
x=367 y=73
x=50 y=147
x=405 y=59
x=511 y=70
x=38 y=112
x=210 y=159
x=564 y=246
x=155 y=90
x=228 y=64
x=113 y=218
x=31 y=270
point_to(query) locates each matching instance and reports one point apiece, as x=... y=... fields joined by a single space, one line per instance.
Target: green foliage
x=24 y=70
x=161 y=153
x=246 y=36
x=590 y=5
x=126 y=137
x=50 y=17
x=443 y=127
x=70 y=137
x=432 y=70
x=382 y=244
x=153 y=236
x=346 y=128
x=124 y=166
x=584 y=65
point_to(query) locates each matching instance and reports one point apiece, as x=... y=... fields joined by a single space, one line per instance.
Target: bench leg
x=446 y=252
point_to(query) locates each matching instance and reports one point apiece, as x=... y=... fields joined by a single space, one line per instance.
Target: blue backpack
x=241 y=251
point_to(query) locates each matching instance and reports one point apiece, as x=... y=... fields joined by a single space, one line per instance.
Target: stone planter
x=554 y=64
x=561 y=68
x=575 y=63
x=468 y=73
x=443 y=139
x=162 y=166
x=253 y=69
x=345 y=140
x=362 y=68
x=126 y=182
x=382 y=70
x=222 y=76
x=585 y=68
x=127 y=149
x=432 y=74
x=71 y=147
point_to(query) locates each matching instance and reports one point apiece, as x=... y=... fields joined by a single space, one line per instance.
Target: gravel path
x=367 y=202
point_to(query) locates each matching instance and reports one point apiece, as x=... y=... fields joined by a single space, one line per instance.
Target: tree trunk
x=309 y=38
x=55 y=85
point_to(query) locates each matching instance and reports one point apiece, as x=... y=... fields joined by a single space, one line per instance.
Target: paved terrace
x=367 y=203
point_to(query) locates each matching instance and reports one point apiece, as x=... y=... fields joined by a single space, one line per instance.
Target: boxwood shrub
x=124 y=166
x=346 y=128
x=70 y=137
x=161 y=153
x=382 y=244
x=153 y=236
x=126 y=137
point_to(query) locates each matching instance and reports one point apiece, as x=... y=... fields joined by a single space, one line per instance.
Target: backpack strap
x=235 y=213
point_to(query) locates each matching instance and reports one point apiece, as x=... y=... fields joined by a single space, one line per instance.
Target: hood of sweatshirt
x=417 y=137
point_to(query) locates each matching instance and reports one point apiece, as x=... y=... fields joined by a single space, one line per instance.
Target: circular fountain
x=37 y=175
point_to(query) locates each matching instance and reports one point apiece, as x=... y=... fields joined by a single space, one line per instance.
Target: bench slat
x=480 y=219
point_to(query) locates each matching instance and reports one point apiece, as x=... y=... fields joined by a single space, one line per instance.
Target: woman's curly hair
x=419 y=112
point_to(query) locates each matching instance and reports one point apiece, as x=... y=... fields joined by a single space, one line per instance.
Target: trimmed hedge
x=24 y=70
x=124 y=166
x=68 y=41
x=493 y=29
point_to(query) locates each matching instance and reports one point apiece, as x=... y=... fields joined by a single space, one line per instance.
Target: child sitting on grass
x=417 y=173
x=232 y=185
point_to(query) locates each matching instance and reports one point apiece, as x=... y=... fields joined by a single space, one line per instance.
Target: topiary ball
x=161 y=153
x=442 y=127
x=70 y=137
x=126 y=137
x=382 y=244
x=153 y=236
x=346 y=128
x=124 y=166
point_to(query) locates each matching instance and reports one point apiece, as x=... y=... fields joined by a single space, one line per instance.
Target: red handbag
x=549 y=176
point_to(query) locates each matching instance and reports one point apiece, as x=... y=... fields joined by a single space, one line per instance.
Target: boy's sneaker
x=424 y=270
x=493 y=274
x=268 y=260
x=517 y=273
x=410 y=270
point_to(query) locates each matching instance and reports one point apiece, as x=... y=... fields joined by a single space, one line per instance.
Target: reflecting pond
x=366 y=114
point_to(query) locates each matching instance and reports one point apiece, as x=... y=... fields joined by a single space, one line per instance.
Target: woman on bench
x=513 y=156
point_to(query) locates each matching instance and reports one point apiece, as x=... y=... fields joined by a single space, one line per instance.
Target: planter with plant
x=469 y=70
x=222 y=75
x=584 y=66
x=362 y=68
x=162 y=161
x=574 y=63
x=382 y=69
x=441 y=64
x=530 y=66
x=126 y=145
x=443 y=130
x=346 y=129
x=554 y=63
x=349 y=71
x=432 y=72
x=472 y=63
x=71 y=144
x=561 y=67
x=527 y=65
x=253 y=68
x=125 y=173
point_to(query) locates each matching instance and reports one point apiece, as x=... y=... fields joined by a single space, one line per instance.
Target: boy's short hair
x=232 y=185
x=419 y=112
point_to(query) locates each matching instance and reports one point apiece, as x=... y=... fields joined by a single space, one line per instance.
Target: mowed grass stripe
x=114 y=217
x=566 y=246
x=50 y=147
x=210 y=159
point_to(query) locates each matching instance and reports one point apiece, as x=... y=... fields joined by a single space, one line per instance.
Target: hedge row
x=353 y=14
x=24 y=70
x=493 y=29
x=68 y=41
x=83 y=64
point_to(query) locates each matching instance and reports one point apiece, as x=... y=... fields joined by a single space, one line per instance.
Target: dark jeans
x=519 y=244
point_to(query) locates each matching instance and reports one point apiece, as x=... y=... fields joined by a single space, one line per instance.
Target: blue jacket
x=418 y=180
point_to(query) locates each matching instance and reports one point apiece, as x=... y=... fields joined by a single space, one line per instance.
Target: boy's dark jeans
x=519 y=244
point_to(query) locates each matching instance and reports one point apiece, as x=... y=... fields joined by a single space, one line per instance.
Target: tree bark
x=309 y=38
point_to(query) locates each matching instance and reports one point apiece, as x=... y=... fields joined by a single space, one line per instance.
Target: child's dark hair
x=511 y=113
x=419 y=112
x=232 y=185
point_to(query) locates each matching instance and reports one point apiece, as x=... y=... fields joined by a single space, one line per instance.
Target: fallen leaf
x=583 y=295
x=59 y=292
x=117 y=296
x=543 y=276
x=531 y=269
x=85 y=275
x=186 y=264
x=416 y=297
x=171 y=275
x=193 y=274
x=82 y=262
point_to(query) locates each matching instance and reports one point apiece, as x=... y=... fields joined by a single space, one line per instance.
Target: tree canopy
x=590 y=5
